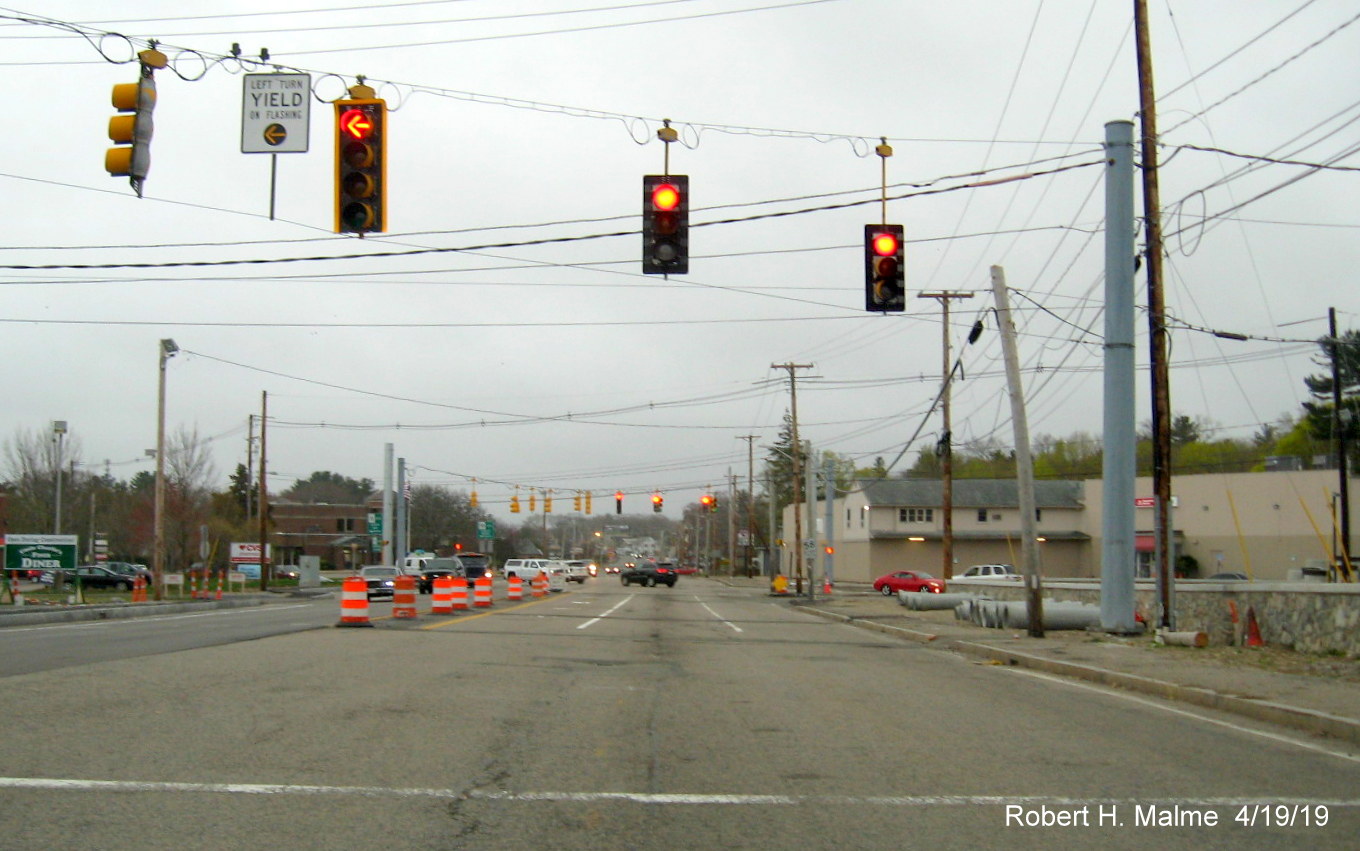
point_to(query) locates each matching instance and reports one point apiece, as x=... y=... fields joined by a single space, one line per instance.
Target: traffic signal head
x=884 y=272
x=132 y=129
x=665 y=224
x=514 y=505
x=618 y=502
x=657 y=501
x=360 y=166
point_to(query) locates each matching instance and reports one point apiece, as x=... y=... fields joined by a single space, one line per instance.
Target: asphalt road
x=641 y=718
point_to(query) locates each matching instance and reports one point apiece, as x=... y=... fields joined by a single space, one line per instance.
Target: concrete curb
x=76 y=614
x=1307 y=720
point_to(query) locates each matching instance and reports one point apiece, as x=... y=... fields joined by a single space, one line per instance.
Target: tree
x=780 y=461
x=324 y=486
x=1343 y=357
x=31 y=480
x=438 y=518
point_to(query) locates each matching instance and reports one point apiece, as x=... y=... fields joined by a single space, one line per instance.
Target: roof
x=978 y=493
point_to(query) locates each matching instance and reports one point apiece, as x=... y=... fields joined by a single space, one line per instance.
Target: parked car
x=381 y=580
x=130 y=570
x=989 y=572
x=650 y=574
x=908 y=580
x=1230 y=577
x=92 y=576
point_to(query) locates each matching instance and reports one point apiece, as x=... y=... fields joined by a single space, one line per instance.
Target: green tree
x=324 y=486
x=1344 y=353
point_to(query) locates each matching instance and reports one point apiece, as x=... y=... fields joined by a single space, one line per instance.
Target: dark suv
x=650 y=573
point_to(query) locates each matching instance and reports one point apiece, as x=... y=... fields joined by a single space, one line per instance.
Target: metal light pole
x=59 y=431
x=167 y=350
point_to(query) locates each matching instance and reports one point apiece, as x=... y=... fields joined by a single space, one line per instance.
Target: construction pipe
x=1064 y=615
x=1182 y=639
x=925 y=602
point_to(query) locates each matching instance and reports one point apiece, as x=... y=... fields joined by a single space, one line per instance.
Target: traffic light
x=665 y=224
x=588 y=502
x=576 y=502
x=884 y=272
x=547 y=503
x=708 y=502
x=514 y=504
x=618 y=502
x=133 y=126
x=656 y=502
x=360 y=165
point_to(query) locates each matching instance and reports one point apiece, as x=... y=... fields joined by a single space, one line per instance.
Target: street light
x=58 y=431
x=167 y=350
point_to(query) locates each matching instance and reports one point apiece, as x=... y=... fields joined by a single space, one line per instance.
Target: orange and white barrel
x=481 y=592
x=516 y=591
x=541 y=584
x=459 y=593
x=404 y=596
x=354 y=603
x=441 y=601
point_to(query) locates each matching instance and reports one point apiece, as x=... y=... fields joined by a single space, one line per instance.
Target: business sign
x=276 y=111
x=40 y=552
x=247 y=553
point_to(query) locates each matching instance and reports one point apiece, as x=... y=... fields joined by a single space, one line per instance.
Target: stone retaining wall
x=1311 y=617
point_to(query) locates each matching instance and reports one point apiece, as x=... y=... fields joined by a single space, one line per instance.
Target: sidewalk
x=1310 y=693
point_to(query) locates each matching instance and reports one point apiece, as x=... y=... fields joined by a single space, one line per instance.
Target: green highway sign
x=40 y=552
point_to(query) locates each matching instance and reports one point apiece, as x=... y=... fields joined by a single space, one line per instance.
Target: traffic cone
x=826 y=587
x=1253 y=630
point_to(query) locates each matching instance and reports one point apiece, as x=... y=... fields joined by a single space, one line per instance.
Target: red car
x=908 y=580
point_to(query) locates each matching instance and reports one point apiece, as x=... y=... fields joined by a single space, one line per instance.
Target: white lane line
x=615 y=608
x=720 y=618
x=1288 y=740
x=244 y=610
x=680 y=798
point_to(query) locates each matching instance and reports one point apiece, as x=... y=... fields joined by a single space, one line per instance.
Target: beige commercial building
x=1267 y=525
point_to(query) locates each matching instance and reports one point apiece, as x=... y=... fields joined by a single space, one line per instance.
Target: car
x=611 y=568
x=380 y=579
x=908 y=580
x=989 y=572
x=650 y=574
x=130 y=570
x=92 y=576
x=578 y=571
x=1230 y=576
x=460 y=566
x=425 y=581
x=524 y=568
x=475 y=565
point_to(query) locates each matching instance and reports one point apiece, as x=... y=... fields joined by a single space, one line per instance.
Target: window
x=344 y=524
x=918 y=515
x=1038 y=514
x=902 y=515
x=982 y=515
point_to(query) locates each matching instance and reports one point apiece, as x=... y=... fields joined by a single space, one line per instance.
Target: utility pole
x=797 y=472
x=1024 y=463
x=1339 y=425
x=1161 y=379
x=946 y=444
x=264 y=496
x=750 y=497
x=250 y=463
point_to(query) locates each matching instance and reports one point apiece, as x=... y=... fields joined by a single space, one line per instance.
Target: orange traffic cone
x=826 y=587
x=1253 y=630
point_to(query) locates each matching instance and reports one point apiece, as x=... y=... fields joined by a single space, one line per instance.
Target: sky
x=505 y=332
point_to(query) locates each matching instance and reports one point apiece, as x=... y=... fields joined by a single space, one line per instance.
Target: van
x=524 y=568
x=416 y=562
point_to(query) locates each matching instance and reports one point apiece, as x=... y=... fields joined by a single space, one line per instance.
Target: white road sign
x=276 y=111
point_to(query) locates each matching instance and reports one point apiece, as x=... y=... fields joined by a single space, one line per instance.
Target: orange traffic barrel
x=354 y=602
x=458 y=593
x=441 y=602
x=481 y=592
x=404 y=596
x=540 y=584
x=516 y=591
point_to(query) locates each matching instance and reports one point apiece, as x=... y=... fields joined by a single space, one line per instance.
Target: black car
x=92 y=576
x=650 y=573
x=130 y=570
x=470 y=567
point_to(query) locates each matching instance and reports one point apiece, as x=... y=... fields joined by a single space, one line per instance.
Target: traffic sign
x=486 y=530
x=276 y=111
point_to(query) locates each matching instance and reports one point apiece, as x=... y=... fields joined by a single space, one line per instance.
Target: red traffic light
x=356 y=123
x=885 y=244
x=656 y=498
x=706 y=500
x=666 y=197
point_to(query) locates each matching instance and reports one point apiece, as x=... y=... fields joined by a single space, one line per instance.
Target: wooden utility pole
x=750 y=497
x=946 y=444
x=797 y=472
x=1157 y=355
x=1339 y=425
x=264 y=495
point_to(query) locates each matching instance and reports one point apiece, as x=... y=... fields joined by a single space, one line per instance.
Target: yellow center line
x=474 y=617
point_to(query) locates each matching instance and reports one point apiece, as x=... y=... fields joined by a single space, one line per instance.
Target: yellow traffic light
x=133 y=127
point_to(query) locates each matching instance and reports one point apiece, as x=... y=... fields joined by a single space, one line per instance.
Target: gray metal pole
x=1024 y=463
x=1120 y=439
x=772 y=565
x=387 y=506
x=399 y=536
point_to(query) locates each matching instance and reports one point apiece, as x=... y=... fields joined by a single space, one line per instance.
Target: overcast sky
x=559 y=365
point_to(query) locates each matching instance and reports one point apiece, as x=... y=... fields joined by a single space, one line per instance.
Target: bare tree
x=31 y=478
x=189 y=473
